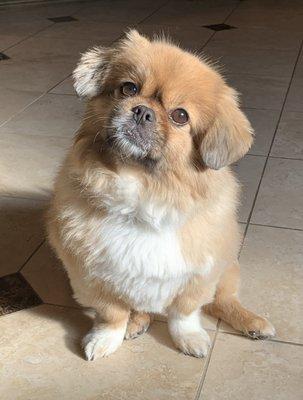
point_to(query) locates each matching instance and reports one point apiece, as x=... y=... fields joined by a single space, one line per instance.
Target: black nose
x=143 y=115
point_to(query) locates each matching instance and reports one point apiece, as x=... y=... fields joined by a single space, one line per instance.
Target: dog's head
x=156 y=104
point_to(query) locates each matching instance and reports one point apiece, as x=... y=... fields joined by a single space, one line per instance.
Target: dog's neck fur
x=106 y=180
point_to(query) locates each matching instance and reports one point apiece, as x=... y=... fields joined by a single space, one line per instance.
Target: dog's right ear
x=91 y=72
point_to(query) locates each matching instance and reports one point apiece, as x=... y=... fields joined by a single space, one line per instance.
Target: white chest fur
x=136 y=249
x=144 y=265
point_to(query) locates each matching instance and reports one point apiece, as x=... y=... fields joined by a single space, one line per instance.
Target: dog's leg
x=138 y=323
x=227 y=307
x=184 y=319
x=108 y=331
x=112 y=314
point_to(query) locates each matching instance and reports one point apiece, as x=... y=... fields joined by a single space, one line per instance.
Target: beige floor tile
x=248 y=171
x=116 y=11
x=242 y=227
x=263 y=92
x=280 y=197
x=37 y=12
x=28 y=164
x=191 y=13
x=192 y=38
x=48 y=278
x=294 y=101
x=257 y=61
x=299 y=67
x=268 y=16
x=42 y=360
x=264 y=123
x=94 y=32
x=34 y=76
x=65 y=87
x=41 y=48
x=51 y=115
x=244 y=369
x=8 y=40
x=259 y=37
x=21 y=231
x=12 y=32
x=272 y=278
x=13 y=101
x=288 y=141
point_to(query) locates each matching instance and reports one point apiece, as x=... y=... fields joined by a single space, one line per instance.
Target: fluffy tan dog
x=144 y=211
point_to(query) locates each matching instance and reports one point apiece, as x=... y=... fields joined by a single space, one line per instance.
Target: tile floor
x=40 y=323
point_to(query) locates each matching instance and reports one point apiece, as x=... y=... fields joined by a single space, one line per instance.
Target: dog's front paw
x=102 y=341
x=188 y=334
x=195 y=343
x=260 y=328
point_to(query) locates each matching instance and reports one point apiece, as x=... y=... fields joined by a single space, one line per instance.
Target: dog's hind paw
x=260 y=328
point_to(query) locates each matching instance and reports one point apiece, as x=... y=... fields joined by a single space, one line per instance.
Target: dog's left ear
x=91 y=72
x=230 y=135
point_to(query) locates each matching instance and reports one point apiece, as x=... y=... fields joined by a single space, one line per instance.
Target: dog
x=143 y=215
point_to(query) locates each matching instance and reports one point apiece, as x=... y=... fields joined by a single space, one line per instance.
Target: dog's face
x=158 y=105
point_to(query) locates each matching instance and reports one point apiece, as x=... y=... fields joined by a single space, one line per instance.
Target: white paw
x=102 y=340
x=195 y=343
x=188 y=334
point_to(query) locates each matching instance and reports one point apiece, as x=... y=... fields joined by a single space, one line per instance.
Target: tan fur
x=184 y=174
x=138 y=323
x=227 y=307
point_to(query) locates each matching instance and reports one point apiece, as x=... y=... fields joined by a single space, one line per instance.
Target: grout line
x=28 y=37
x=242 y=238
x=9 y=196
x=255 y=155
x=20 y=4
x=152 y=13
x=207 y=362
x=285 y=342
x=225 y=19
x=286 y=158
x=63 y=94
x=277 y=227
x=30 y=256
x=262 y=340
x=276 y=157
x=258 y=108
x=206 y=43
x=57 y=84
x=22 y=109
x=273 y=139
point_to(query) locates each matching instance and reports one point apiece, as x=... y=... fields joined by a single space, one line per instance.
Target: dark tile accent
x=3 y=57
x=219 y=27
x=66 y=18
x=16 y=294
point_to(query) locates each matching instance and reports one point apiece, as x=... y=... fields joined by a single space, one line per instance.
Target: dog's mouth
x=131 y=141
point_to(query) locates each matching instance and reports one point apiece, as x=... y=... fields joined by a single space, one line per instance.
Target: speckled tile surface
x=16 y=294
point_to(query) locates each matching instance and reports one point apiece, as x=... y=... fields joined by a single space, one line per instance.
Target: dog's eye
x=129 y=89
x=179 y=116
